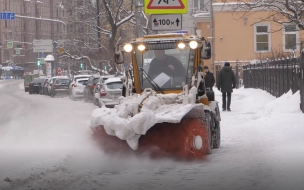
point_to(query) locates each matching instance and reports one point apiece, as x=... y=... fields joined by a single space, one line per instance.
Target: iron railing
x=277 y=77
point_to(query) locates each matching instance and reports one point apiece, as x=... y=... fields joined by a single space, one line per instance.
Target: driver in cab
x=167 y=64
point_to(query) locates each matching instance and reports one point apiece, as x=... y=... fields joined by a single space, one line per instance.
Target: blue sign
x=7 y=16
x=42 y=55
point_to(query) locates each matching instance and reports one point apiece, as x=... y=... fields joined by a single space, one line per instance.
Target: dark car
x=35 y=84
x=88 y=92
x=43 y=87
x=60 y=86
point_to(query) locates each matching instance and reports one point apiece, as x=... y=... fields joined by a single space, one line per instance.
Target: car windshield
x=62 y=81
x=168 y=68
x=81 y=81
x=114 y=85
x=95 y=80
x=37 y=80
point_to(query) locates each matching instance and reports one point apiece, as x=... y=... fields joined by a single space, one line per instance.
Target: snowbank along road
x=45 y=143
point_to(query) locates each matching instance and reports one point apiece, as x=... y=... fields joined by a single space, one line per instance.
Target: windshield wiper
x=156 y=87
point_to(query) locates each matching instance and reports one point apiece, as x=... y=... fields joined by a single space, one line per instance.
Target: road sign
x=59 y=71
x=42 y=46
x=60 y=50
x=17 y=51
x=7 y=16
x=166 y=22
x=10 y=44
x=166 y=6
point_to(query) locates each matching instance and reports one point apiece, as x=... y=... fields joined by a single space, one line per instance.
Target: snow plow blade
x=187 y=140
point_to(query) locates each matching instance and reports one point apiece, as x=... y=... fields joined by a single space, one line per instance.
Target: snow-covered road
x=45 y=143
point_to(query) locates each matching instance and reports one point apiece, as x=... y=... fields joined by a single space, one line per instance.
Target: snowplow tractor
x=165 y=110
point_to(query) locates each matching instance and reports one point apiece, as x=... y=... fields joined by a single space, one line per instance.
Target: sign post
x=166 y=22
x=42 y=46
x=7 y=16
x=10 y=45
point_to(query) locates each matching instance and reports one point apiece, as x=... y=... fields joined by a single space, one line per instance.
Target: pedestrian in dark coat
x=209 y=78
x=225 y=83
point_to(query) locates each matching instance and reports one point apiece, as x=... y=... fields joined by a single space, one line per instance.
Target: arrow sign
x=177 y=21
x=166 y=22
x=166 y=4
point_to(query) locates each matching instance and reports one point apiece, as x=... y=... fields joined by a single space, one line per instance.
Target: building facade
x=239 y=39
x=21 y=31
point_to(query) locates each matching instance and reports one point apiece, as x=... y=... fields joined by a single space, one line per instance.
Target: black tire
x=30 y=92
x=216 y=135
x=52 y=94
x=208 y=120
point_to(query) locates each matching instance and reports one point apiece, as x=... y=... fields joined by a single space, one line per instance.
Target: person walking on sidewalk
x=225 y=83
x=209 y=78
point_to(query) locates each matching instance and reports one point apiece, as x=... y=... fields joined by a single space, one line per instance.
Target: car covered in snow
x=75 y=77
x=76 y=89
x=88 y=92
x=99 y=85
x=109 y=92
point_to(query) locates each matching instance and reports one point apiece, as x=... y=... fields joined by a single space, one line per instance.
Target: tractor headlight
x=181 y=45
x=128 y=47
x=141 y=47
x=193 y=44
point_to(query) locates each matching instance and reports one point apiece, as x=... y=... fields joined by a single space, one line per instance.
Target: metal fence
x=277 y=77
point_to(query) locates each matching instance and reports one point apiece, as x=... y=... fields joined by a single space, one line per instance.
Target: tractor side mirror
x=118 y=54
x=206 y=50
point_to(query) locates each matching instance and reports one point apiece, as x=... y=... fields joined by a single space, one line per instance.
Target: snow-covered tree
x=279 y=11
x=97 y=26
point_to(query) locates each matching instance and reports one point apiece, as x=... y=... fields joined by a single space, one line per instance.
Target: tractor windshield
x=167 y=68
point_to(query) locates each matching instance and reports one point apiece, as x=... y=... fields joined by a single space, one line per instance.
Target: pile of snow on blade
x=127 y=123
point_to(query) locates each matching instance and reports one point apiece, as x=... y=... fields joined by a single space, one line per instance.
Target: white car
x=109 y=93
x=98 y=86
x=74 y=80
x=77 y=88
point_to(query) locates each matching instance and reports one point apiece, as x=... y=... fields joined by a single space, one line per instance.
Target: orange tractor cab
x=165 y=110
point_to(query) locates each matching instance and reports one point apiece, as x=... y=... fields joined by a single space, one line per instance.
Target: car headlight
x=181 y=45
x=141 y=47
x=193 y=44
x=128 y=47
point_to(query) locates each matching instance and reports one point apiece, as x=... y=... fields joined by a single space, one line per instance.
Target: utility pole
x=212 y=35
x=136 y=19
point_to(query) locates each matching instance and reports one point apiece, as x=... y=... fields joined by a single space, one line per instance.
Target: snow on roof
x=206 y=15
x=112 y=80
x=81 y=76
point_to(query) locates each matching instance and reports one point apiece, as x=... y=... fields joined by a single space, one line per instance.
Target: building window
x=262 y=37
x=290 y=36
x=198 y=5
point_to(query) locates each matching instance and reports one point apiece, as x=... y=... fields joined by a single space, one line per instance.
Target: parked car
x=35 y=84
x=74 y=81
x=51 y=81
x=46 y=85
x=27 y=79
x=60 y=86
x=43 y=88
x=78 y=88
x=88 y=92
x=109 y=93
x=98 y=86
